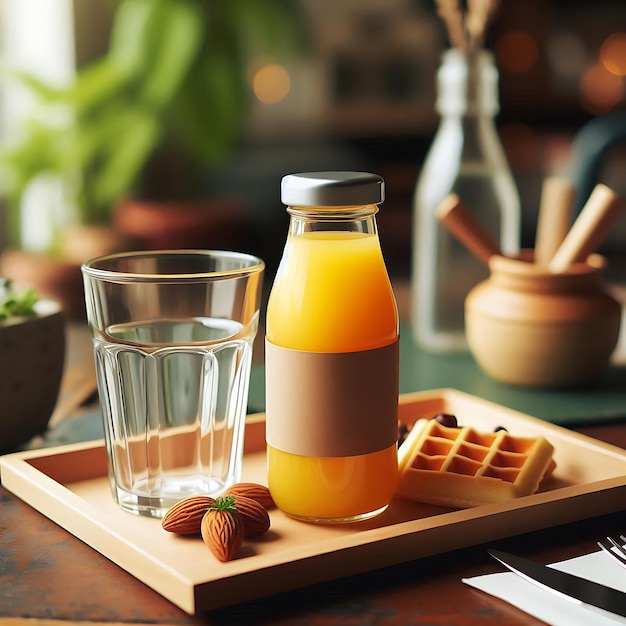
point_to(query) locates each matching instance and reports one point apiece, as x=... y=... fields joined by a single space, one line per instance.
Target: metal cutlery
x=615 y=550
x=578 y=590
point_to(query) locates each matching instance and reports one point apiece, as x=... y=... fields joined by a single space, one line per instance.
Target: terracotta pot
x=32 y=354
x=50 y=276
x=58 y=277
x=217 y=223
x=81 y=243
x=528 y=326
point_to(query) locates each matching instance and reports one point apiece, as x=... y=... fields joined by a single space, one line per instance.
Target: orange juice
x=332 y=294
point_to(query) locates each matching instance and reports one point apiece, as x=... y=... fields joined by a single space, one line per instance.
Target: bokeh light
x=600 y=90
x=517 y=51
x=567 y=55
x=613 y=54
x=271 y=83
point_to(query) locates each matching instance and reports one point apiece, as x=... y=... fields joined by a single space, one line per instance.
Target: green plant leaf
x=174 y=77
x=98 y=83
x=130 y=31
x=131 y=142
x=41 y=149
x=175 y=43
x=209 y=108
x=40 y=88
x=275 y=27
x=16 y=305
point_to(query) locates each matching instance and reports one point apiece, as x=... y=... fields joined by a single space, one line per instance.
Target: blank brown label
x=331 y=404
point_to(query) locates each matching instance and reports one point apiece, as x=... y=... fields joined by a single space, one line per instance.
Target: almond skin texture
x=254 y=516
x=254 y=491
x=222 y=532
x=185 y=517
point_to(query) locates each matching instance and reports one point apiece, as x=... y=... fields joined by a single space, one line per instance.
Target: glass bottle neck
x=360 y=219
x=467 y=84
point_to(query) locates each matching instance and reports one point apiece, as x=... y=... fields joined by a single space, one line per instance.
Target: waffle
x=462 y=468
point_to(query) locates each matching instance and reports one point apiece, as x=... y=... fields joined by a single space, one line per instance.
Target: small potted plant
x=142 y=126
x=32 y=354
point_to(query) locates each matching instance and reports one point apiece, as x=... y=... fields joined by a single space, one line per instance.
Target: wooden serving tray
x=69 y=485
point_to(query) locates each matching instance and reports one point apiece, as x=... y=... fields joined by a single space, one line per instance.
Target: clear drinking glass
x=173 y=335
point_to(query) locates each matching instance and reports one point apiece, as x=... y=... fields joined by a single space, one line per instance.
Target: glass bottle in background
x=332 y=355
x=466 y=158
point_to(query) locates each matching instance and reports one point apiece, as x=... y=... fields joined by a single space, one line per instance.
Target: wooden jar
x=528 y=326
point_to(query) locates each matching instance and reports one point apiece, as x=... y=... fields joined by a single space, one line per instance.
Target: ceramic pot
x=32 y=355
x=527 y=326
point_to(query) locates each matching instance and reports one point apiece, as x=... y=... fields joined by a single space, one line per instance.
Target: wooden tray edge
x=601 y=497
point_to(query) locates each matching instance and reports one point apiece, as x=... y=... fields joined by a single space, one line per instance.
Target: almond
x=185 y=517
x=222 y=528
x=254 y=516
x=257 y=492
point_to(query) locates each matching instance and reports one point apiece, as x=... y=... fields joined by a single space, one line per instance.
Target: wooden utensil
x=591 y=227
x=458 y=219
x=555 y=214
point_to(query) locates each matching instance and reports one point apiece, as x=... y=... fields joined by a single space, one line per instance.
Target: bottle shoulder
x=332 y=299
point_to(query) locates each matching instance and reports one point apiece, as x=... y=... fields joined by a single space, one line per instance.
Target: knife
x=568 y=586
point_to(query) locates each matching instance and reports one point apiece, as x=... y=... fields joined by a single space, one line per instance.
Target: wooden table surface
x=48 y=576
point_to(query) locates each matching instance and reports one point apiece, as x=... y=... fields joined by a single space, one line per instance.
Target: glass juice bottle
x=332 y=355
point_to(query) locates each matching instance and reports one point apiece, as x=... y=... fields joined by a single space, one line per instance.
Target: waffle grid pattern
x=462 y=467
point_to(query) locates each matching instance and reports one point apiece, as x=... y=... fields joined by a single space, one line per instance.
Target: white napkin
x=552 y=609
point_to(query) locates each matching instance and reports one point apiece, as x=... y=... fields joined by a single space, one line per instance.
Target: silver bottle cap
x=326 y=189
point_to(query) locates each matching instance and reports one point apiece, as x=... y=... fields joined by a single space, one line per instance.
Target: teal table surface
x=605 y=400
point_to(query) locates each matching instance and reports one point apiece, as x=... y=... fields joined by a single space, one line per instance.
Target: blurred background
x=124 y=103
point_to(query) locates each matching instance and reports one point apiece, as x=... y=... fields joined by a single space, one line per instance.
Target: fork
x=616 y=550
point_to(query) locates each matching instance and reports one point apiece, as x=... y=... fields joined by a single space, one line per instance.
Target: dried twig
x=450 y=12
x=479 y=14
x=466 y=30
